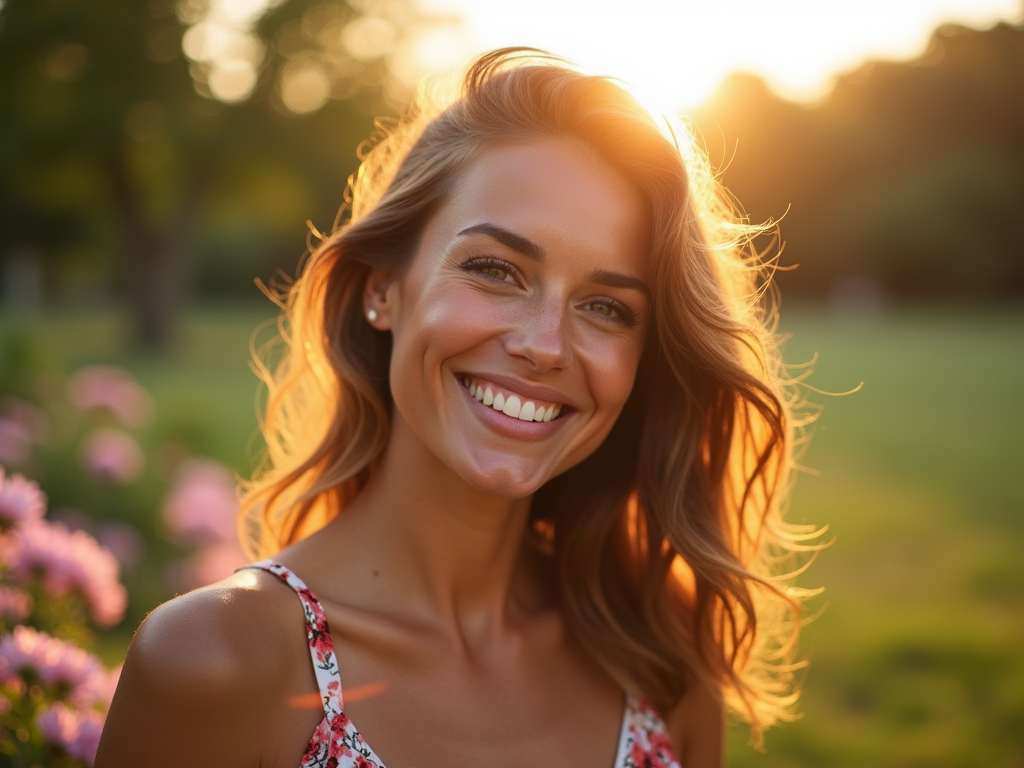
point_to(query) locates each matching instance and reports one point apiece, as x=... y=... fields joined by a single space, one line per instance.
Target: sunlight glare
x=677 y=53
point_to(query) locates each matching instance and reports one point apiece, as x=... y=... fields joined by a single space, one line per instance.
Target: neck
x=443 y=549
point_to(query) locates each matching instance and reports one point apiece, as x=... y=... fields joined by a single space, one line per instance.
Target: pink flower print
x=112 y=455
x=20 y=500
x=101 y=387
x=72 y=674
x=77 y=733
x=15 y=605
x=69 y=562
x=202 y=506
x=362 y=762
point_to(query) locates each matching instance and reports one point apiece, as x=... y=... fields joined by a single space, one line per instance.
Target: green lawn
x=918 y=654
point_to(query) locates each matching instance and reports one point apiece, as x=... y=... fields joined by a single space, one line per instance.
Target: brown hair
x=667 y=540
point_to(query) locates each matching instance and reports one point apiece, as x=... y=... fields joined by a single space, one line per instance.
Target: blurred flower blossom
x=70 y=672
x=15 y=441
x=123 y=541
x=112 y=455
x=15 y=604
x=69 y=562
x=76 y=732
x=201 y=507
x=21 y=424
x=113 y=389
x=206 y=566
x=20 y=500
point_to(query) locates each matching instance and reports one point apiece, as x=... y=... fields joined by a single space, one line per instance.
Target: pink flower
x=113 y=455
x=112 y=389
x=21 y=423
x=122 y=540
x=15 y=604
x=201 y=507
x=20 y=500
x=77 y=733
x=72 y=673
x=15 y=441
x=69 y=562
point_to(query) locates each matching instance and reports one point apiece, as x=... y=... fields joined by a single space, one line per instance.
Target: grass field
x=918 y=652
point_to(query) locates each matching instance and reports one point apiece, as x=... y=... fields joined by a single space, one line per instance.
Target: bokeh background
x=157 y=156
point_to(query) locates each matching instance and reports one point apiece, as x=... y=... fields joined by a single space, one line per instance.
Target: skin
x=451 y=650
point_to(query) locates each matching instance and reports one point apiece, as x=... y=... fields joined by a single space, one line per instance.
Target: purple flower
x=112 y=455
x=201 y=507
x=69 y=562
x=20 y=500
x=76 y=732
x=123 y=541
x=112 y=389
x=71 y=673
x=15 y=604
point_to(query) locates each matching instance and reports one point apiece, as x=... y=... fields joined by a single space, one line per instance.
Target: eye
x=493 y=269
x=611 y=311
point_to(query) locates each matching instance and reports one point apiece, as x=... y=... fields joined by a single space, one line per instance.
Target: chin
x=506 y=481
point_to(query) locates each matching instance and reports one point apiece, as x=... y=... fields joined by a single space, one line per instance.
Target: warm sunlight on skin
x=675 y=53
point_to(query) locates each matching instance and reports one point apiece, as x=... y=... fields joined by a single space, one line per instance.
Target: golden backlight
x=674 y=53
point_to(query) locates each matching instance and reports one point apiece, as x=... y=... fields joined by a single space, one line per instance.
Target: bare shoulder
x=212 y=663
x=219 y=632
x=697 y=728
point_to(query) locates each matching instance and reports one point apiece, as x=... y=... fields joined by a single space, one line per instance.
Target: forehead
x=558 y=194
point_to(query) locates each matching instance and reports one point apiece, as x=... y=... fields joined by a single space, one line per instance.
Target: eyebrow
x=533 y=251
x=516 y=242
x=619 y=280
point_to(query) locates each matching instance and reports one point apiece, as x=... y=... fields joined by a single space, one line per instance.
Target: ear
x=378 y=298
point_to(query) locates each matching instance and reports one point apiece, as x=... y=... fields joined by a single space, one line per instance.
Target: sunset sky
x=675 y=52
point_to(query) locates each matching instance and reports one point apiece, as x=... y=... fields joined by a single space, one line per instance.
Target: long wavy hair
x=667 y=544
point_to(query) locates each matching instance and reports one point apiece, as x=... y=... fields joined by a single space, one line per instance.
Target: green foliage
x=915 y=657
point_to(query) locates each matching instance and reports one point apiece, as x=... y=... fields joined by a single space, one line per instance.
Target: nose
x=542 y=336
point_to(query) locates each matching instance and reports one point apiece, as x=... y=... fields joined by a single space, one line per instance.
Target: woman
x=525 y=457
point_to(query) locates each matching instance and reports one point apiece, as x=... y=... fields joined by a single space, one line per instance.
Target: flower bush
x=127 y=493
x=54 y=584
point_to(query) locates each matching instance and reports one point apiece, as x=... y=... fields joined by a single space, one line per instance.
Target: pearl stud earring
x=371 y=315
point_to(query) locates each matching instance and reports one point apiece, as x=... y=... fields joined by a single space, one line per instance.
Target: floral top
x=643 y=740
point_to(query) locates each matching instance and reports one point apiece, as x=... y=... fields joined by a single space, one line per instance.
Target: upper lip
x=525 y=388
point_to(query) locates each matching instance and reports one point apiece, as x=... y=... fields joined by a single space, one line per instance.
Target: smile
x=510 y=403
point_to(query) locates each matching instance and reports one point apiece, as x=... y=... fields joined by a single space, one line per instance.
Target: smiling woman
x=526 y=451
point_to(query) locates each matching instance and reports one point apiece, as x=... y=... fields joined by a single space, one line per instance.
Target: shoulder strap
x=321 y=647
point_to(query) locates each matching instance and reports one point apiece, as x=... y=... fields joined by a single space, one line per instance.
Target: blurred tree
x=153 y=130
x=910 y=174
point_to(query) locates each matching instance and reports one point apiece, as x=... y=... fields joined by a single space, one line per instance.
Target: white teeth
x=512 y=407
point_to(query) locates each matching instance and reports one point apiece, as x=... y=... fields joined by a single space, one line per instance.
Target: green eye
x=496 y=272
x=601 y=309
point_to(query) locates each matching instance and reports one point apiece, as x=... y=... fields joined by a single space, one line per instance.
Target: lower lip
x=506 y=425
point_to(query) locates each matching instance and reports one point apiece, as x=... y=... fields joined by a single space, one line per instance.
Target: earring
x=371 y=315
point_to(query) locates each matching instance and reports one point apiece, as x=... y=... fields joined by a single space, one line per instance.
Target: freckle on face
x=448 y=321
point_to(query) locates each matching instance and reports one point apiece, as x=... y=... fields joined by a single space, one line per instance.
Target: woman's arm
x=201 y=683
x=697 y=728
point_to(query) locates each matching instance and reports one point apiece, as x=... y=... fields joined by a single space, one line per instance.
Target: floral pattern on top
x=643 y=739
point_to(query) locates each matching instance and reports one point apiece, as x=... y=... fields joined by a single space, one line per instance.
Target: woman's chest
x=459 y=713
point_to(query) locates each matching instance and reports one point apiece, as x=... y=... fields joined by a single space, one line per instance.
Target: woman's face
x=519 y=323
